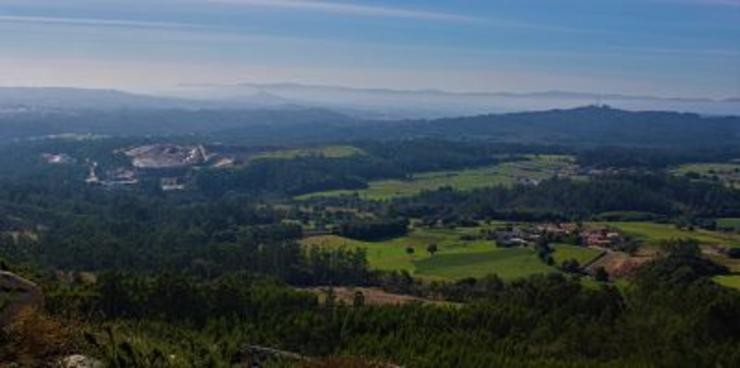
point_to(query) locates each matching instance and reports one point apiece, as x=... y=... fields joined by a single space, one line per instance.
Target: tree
x=571 y=265
x=432 y=248
x=601 y=275
x=410 y=250
x=359 y=299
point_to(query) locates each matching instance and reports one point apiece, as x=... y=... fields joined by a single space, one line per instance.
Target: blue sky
x=663 y=47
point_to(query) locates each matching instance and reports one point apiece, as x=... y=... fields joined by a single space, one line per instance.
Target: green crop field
x=729 y=223
x=583 y=255
x=727 y=173
x=654 y=233
x=511 y=263
x=327 y=151
x=708 y=168
x=731 y=281
x=537 y=168
x=455 y=259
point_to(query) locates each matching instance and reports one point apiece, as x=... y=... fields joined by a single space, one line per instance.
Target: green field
x=727 y=173
x=537 y=168
x=508 y=264
x=583 y=255
x=653 y=233
x=729 y=223
x=455 y=259
x=731 y=281
x=327 y=151
x=708 y=168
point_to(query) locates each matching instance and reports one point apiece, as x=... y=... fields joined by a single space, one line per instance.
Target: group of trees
x=371 y=230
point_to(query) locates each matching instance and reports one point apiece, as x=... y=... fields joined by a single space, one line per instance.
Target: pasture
x=727 y=173
x=507 y=263
x=654 y=233
x=531 y=171
x=729 y=223
x=731 y=281
x=455 y=259
x=564 y=252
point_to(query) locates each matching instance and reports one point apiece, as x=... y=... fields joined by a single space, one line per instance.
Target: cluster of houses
x=526 y=235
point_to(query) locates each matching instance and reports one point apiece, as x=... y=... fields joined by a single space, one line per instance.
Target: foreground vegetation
x=543 y=321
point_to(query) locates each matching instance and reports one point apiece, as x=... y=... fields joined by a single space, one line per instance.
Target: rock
x=79 y=361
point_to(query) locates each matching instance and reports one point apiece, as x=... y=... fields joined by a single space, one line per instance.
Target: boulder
x=79 y=361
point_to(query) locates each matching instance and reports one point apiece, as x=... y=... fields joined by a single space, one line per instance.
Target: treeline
x=566 y=199
x=653 y=158
x=372 y=230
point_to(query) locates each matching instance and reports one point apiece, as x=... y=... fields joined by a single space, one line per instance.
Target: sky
x=676 y=48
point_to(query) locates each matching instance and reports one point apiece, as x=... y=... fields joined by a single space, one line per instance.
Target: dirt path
x=372 y=296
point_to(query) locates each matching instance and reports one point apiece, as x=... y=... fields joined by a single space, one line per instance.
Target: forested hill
x=586 y=126
x=590 y=126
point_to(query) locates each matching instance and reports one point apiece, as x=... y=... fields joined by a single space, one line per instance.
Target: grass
x=708 y=168
x=455 y=259
x=507 y=263
x=327 y=151
x=729 y=223
x=537 y=168
x=731 y=281
x=583 y=255
x=727 y=173
x=653 y=233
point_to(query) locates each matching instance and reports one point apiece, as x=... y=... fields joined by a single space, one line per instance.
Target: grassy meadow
x=455 y=258
x=731 y=281
x=654 y=233
x=458 y=258
x=537 y=168
x=729 y=223
x=727 y=173
x=564 y=252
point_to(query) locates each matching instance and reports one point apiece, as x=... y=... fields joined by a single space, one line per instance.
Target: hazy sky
x=665 y=47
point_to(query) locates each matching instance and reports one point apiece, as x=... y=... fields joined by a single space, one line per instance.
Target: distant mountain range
x=63 y=98
x=400 y=104
x=374 y=104
x=288 y=87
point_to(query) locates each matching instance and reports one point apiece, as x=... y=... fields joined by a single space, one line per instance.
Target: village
x=570 y=233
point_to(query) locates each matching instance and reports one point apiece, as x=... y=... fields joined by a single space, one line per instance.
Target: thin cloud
x=100 y=22
x=332 y=7
x=351 y=9
x=732 y=3
x=720 y=2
